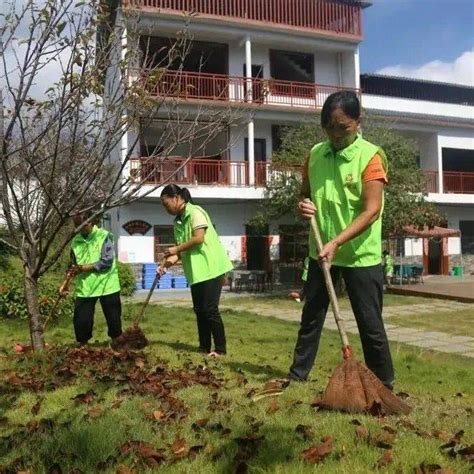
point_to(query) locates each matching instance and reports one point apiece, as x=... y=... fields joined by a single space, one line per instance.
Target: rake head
x=354 y=388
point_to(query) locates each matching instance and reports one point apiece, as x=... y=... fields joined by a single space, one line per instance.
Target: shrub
x=12 y=299
x=127 y=279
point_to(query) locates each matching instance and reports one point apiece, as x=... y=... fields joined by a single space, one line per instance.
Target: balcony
x=454 y=182
x=205 y=171
x=217 y=87
x=330 y=17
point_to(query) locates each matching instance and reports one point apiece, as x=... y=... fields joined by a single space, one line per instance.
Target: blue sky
x=420 y=38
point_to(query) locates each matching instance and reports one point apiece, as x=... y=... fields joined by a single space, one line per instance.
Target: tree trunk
x=34 y=316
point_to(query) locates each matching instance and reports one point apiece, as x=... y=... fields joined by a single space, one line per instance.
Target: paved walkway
x=430 y=340
x=440 y=287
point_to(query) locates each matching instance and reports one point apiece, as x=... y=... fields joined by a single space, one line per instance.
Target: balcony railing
x=205 y=171
x=331 y=16
x=218 y=87
x=456 y=182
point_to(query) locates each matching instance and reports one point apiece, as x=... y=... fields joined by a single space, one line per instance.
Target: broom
x=133 y=337
x=353 y=387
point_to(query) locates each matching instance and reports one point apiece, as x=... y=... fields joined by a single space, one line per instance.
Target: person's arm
x=107 y=255
x=199 y=225
x=196 y=239
x=372 y=198
x=167 y=263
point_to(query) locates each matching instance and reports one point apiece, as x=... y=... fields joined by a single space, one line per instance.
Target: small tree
x=63 y=141
x=405 y=201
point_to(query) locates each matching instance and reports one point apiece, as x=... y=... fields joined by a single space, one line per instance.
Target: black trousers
x=84 y=315
x=365 y=290
x=206 y=296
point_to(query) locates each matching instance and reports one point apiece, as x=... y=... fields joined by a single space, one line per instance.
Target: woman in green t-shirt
x=204 y=260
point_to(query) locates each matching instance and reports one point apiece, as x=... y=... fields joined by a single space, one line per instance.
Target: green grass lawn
x=88 y=437
x=459 y=323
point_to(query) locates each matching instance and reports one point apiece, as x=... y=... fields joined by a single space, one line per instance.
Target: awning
x=427 y=232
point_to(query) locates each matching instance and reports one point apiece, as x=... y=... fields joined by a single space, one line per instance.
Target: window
x=293 y=243
x=164 y=238
x=291 y=66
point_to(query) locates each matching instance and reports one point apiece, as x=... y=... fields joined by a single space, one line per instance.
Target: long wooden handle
x=139 y=316
x=329 y=285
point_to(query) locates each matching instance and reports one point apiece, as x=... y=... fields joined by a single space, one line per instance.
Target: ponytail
x=173 y=190
x=186 y=195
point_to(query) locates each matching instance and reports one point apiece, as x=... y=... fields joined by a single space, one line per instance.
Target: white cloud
x=460 y=71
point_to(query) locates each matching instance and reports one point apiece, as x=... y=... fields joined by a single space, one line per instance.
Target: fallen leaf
x=36 y=408
x=278 y=384
x=385 y=459
x=467 y=453
x=384 y=440
x=356 y=422
x=200 y=424
x=389 y=429
x=95 y=412
x=432 y=469
x=55 y=469
x=304 y=431
x=146 y=451
x=274 y=407
x=195 y=450
x=116 y=403
x=442 y=435
x=362 y=433
x=179 y=448
x=87 y=397
x=158 y=415
x=317 y=453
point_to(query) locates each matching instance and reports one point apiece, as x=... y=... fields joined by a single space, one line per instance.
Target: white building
x=290 y=55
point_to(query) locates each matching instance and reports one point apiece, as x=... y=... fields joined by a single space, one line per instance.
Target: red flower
x=45 y=300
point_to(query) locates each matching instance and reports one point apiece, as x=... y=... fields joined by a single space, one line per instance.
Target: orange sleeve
x=374 y=170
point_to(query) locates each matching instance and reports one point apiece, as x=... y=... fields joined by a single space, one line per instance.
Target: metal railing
x=207 y=172
x=218 y=87
x=456 y=182
x=333 y=16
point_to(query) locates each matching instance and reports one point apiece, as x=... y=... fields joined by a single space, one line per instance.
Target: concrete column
x=440 y=169
x=251 y=137
x=357 y=68
x=251 y=134
x=248 y=67
x=124 y=140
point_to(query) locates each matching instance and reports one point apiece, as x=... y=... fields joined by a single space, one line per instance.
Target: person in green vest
x=387 y=266
x=343 y=186
x=95 y=272
x=205 y=262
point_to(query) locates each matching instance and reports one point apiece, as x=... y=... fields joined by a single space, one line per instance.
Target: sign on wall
x=137 y=227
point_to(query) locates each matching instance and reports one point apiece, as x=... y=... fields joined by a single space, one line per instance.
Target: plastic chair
x=417 y=275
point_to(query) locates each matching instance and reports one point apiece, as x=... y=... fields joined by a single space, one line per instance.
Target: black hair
x=345 y=100
x=173 y=190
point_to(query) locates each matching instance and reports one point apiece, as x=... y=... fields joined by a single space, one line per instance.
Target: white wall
x=238 y=135
x=326 y=67
x=397 y=104
x=348 y=69
x=457 y=139
x=229 y=219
